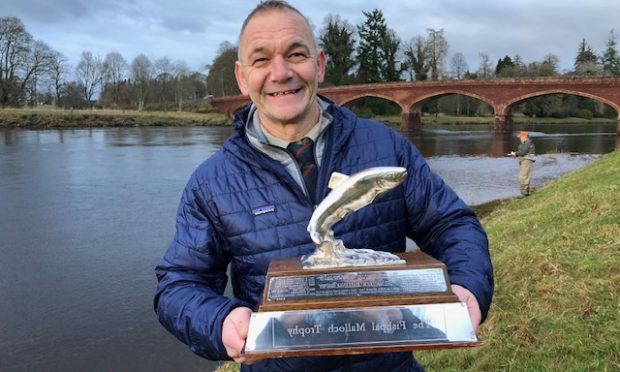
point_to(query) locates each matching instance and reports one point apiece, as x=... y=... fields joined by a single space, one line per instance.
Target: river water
x=86 y=214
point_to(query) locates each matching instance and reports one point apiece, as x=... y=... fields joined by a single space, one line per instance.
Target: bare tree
x=183 y=84
x=163 y=70
x=39 y=63
x=437 y=51
x=59 y=68
x=459 y=65
x=115 y=68
x=89 y=73
x=14 y=50
x=141 y=74
x=485 y=71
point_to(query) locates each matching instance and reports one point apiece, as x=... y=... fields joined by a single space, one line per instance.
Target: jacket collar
x=339 y=132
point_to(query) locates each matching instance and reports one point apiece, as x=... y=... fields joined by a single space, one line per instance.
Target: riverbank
x=556 y=262
x=518 y=119
x=43 y=118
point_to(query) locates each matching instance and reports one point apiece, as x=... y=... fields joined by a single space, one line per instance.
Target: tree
x=371 y=33
x=38 y=65
x=182 y=87
x=390 y=46
x=337 y=40
x=58 y=69
x=505 y=67
x=15 y=44
x=416 y=58
x=437 y=51
x=459 y=65
x=163 y=70
x=586 y=60
x=141 y=74
x=485 y=71
x=221 y=79
x=610 y=58
x=115 y=68
x=89 y=73
x=549 y=66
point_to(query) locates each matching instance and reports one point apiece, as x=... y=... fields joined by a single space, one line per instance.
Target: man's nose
x=280 y=69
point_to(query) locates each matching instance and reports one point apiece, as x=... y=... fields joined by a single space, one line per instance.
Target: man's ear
x=321 y=61
x=243 y=86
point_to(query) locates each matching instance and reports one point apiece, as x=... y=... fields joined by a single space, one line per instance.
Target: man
x=526 y=154
x=251 y=202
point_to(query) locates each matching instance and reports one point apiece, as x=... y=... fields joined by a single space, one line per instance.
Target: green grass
x=557 y=272
x=54 y=118
x=557 y=268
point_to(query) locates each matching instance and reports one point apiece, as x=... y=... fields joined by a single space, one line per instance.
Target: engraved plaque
x=371 y=327
x=358 y=283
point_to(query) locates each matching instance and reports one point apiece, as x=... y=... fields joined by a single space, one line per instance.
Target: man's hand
x=470 y=300
x=235 y=331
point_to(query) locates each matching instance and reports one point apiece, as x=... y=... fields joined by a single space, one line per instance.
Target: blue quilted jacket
x=243 y=209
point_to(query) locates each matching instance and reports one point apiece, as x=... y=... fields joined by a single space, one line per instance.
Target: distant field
x=50 y=118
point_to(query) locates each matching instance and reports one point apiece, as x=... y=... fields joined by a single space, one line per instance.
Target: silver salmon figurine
x=349 y=194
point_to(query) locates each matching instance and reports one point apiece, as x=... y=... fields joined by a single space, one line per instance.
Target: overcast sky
x=192 y=30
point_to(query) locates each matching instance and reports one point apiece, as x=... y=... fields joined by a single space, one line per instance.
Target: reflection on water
x=87 y=214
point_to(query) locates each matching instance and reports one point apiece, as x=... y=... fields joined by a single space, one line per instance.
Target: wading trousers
x=526 y=167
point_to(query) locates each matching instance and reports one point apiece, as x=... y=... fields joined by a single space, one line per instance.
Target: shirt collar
x=313 y=134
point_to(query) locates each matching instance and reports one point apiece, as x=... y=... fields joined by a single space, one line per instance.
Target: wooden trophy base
x=357 y=310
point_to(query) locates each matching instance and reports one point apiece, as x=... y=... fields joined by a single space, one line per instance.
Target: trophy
x=339 y=300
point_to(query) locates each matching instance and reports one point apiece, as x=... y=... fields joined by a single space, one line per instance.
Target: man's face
x=279 y=67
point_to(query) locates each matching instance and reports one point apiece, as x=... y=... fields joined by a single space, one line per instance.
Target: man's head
x=523 y=135
x=279 y=64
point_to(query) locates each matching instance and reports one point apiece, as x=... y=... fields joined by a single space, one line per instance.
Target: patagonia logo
x=263 y=209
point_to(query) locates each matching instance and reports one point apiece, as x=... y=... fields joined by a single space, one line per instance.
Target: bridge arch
x=427 y=97
x=370 y=95
x=542 y=93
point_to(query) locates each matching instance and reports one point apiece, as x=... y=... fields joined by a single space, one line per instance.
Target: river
x=86 y=214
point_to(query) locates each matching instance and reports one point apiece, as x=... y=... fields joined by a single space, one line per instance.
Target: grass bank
x=41 y=118
x=557 y=267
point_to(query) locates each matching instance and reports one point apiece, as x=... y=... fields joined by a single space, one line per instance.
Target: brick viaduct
x=500 y=94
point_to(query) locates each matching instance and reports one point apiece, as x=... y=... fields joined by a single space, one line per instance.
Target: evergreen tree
x=369 y=55
x=610 y=58
x=338 y=42
x=586 y=60
x=505 y=67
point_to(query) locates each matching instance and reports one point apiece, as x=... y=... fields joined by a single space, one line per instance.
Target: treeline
x=32 y=73
x=372 y=52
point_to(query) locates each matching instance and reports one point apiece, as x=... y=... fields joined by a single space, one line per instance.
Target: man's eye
x=259 y=62
x=297 y=57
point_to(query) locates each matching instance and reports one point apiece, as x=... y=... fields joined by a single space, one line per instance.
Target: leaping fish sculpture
x=349 y=194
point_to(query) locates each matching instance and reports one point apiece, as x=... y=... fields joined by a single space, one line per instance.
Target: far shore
x=44 y=118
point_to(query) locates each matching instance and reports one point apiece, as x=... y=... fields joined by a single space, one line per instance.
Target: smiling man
x=251 y=202
x=280 y=68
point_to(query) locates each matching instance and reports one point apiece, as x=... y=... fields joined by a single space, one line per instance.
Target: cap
x=523 y=134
